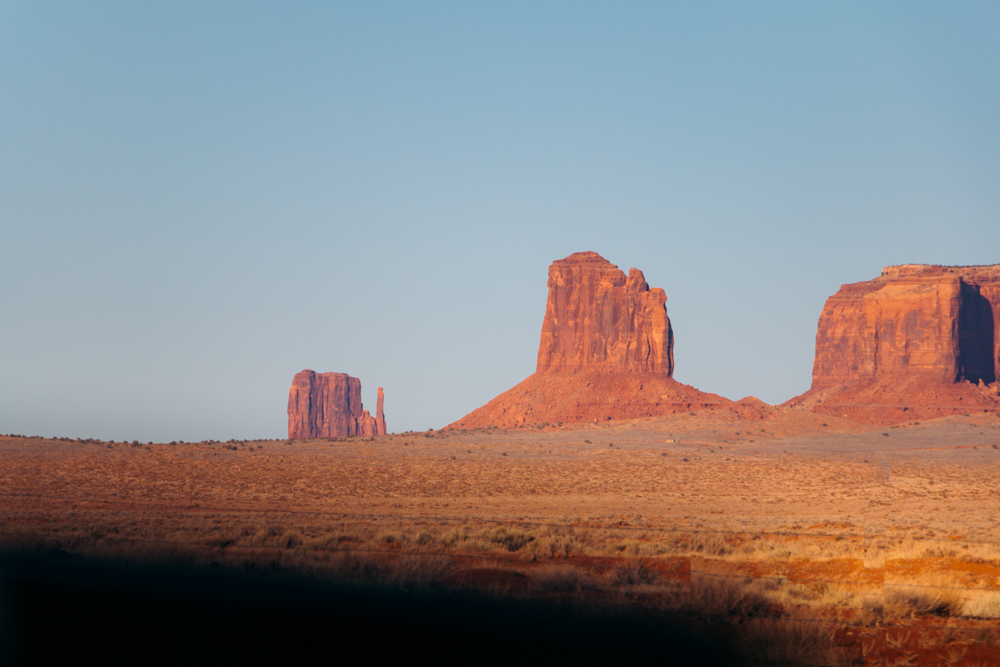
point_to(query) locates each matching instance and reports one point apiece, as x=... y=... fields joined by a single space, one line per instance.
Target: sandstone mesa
x=918 y=342
x=606 y=352
x=328 y=405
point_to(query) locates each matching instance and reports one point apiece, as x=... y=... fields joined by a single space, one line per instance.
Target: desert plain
x=799 y=539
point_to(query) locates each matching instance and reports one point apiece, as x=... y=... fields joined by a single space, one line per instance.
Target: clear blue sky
x=200 y=199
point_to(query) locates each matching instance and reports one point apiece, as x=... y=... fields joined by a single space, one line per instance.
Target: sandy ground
x=869 y=507
x=937 y=478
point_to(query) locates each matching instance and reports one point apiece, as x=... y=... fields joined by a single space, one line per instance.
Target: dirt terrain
x=884 y=542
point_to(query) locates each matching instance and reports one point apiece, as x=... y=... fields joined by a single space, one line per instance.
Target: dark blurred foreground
x=57 y=607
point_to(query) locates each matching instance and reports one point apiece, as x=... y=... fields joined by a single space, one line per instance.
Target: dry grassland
x=812 y=540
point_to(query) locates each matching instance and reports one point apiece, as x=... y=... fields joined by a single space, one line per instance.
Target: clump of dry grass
x=639 y=548
x=290 y=539
x=978 y=552
x=872 y=610
x=335 y=540
x=790 y=641
x=393 y=537
x=408 y=573
x=555 y=543
x=510 y=539
x=632 y=575
x=982 y=604
x=712 y=544
x=497 y=538
x=940 y=552
x=808 y=597
x=420 y=571
x=738 y=547
x=911 y=601
x=717 y=598
x=563 y=579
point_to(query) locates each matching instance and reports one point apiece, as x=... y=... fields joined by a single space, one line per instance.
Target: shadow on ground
x=63 y=608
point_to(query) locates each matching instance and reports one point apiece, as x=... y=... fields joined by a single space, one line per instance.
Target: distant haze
x=198 y=200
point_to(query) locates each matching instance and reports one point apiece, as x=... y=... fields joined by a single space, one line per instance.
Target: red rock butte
x=917 y=342
x=328 y=405
x=596 y=318
x=606 y=352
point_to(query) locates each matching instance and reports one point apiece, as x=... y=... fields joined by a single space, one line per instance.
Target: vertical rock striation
x=596 y=318
x=328 y=405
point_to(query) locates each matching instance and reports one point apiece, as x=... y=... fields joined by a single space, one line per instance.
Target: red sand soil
x=835 y=501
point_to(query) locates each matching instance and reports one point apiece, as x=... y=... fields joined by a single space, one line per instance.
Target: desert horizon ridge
x=856 y=524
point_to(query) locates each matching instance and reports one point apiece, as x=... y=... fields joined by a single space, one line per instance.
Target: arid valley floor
x=799 y=539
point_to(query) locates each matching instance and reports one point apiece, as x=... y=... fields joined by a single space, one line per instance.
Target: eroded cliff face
x=892 y=326
x=328 y=405
x=606 y=352
x=596 y=318
x=918 y=339
x=915 y=321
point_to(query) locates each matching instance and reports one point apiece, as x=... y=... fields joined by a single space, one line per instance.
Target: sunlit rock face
x=918 y=339
x=597 y=318
x=328 y=405
x=606 y=352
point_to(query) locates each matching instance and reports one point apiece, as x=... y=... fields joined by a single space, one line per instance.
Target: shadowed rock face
x=596 y=318
x=328 y=405
x=919 y=339
x=606 y=352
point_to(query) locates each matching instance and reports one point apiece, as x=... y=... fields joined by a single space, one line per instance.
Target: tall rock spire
x=380 y=414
